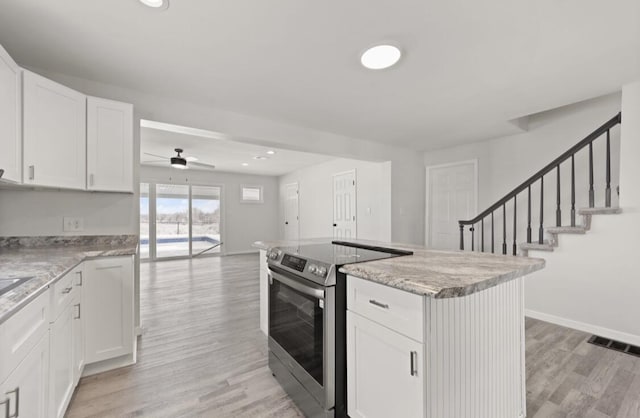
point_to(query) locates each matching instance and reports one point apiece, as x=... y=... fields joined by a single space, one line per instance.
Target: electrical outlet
x=70 y=224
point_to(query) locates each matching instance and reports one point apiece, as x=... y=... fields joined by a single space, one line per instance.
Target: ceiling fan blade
x=203 y=165
x=153 y=161
x=156 y=155
x=191 y=159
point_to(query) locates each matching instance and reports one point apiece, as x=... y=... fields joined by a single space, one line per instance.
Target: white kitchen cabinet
x=61 y=361
x=25 y=390
x=10 y=118
x=264 y=293
x=385 y=377
x=78 y=339
x=54 y=134
x=109 y=145
x=108 y=308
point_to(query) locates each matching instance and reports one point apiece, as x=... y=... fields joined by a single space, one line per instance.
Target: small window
x=252 y=194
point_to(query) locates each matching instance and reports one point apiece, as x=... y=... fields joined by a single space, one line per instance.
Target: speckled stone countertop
x=437 y=274
x=47 y=259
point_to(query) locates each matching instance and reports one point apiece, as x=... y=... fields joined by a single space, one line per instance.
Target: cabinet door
x=109 y=145
x=10 y=118
x=385 y=371
x=54 y=134
x=26 y=388
x=61 y=381
x=78 y=339
x=108 y=308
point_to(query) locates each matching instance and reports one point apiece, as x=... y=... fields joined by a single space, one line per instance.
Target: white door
x=109 y=145
x=10 y=118
x=291 y=212
x=451 y=196
x=385 y=375
x=26 y=387
x=61 y=382
x=107 y=308
x=55 y=138
x=344 y=205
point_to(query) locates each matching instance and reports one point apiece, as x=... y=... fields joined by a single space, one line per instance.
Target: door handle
x=78 y=306
x=334 y=225
x=414 y=363
x=32 y=172
x=79 y=273
x=16 y=413
x=286 y=223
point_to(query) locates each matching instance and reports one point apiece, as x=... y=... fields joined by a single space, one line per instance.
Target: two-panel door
x=10 y=118
x=109 y=145
x=54 y=134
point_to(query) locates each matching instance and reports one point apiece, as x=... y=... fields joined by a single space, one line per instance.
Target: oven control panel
x=294 y=262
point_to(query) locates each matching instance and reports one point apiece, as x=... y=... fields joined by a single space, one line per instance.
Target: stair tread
x=599 y=211
x=567 y=230
x=536 y=246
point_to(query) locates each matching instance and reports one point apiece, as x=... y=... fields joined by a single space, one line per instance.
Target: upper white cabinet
x=54 y=134
x=10 y=118
x=109 y=145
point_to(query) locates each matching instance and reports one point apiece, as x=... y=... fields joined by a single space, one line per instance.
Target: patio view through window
x=185 y=219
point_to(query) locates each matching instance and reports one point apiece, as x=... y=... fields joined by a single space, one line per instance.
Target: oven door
x=302 y=332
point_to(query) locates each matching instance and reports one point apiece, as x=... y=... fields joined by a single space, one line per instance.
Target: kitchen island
x=434 y=334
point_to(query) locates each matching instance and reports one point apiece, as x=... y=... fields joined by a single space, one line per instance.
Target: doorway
x=452 y=195
x=291 y=212
x=344 y=205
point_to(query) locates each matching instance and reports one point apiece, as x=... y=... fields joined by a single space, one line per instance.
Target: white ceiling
x=469 y=66
x=226 y=155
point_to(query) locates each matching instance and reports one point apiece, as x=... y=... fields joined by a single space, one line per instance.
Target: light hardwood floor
x=203 y=355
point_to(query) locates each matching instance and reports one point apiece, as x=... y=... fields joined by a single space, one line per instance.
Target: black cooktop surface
x=340 y=252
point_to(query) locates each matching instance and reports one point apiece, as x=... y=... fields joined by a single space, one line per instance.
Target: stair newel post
x=529 y=214
x=592 y=199
x=492 y=235
x=607 y=198
x=461 y=237
x=482 y=234
x=541 y=230
x=558 y=210
x=473 y=238
x=504 y=228
x=573 y=190
x=515 y=211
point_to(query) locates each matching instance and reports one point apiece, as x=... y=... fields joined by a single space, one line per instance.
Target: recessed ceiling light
x=156 y=4
x=259 y=157
x=245 y=164
x=271 y=152
x=380 y=56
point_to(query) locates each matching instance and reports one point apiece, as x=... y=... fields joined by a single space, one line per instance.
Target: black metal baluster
x=592 y=197
x=461 y=237
x=482 y=234
x=607 y=196
x=529 y=215
x=492 y=234
x=558 y=210
x=573 y=190
x=541 y=230
x=515 y=211
x=504 y=228
x=472 y=229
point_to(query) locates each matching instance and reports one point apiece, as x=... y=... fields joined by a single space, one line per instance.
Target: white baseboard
x=111 y=364
x=582 y=326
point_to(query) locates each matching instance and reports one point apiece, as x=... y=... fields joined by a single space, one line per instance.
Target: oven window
x=295 y=322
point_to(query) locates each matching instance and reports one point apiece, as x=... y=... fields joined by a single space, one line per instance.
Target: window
x=252 y=194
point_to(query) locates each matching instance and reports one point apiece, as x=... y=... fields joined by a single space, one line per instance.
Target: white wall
x=373 y=196
x=242 y=223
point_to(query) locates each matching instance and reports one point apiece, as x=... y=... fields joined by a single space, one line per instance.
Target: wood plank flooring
x=203 y=355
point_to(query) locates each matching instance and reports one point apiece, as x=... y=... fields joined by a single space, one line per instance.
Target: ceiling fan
x=181 y=162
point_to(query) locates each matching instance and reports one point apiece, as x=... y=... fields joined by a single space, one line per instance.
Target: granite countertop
x=47 y=259
x=433 y=273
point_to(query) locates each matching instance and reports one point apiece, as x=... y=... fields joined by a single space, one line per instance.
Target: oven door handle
x=295 y=284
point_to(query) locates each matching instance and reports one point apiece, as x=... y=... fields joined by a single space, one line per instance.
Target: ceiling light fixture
x=245 y=164
x=380 y=56
x=259 y=157
x=156 y=4
x=271 y=152
x=179 y=161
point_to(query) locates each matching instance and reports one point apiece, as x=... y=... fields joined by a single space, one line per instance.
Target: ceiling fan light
x=178 y=162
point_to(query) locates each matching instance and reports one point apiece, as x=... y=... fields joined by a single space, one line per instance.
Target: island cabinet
x=10 y=118
x=414 y=355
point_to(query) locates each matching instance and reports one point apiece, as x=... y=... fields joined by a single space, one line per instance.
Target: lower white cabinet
x=61 y=364
x=385 y=371
x=24 y=392
x=108 y=308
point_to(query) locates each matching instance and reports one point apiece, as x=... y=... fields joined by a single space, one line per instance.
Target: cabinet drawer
x=63 y=291
x=20 y=333
x=398 y=310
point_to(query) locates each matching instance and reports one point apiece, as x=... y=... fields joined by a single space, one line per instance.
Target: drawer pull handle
x=67 y=290
x=16 y=413
x=378 y=304
x=32 y=172
x=414 y=363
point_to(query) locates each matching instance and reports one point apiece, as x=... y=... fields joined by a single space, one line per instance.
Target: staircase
x=480 y=234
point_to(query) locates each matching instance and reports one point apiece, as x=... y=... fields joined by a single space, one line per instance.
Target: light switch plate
x=70 y=224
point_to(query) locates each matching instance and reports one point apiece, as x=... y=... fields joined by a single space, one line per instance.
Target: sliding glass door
x=178 y=221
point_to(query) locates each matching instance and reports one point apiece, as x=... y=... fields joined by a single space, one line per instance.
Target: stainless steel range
x=307 y=321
